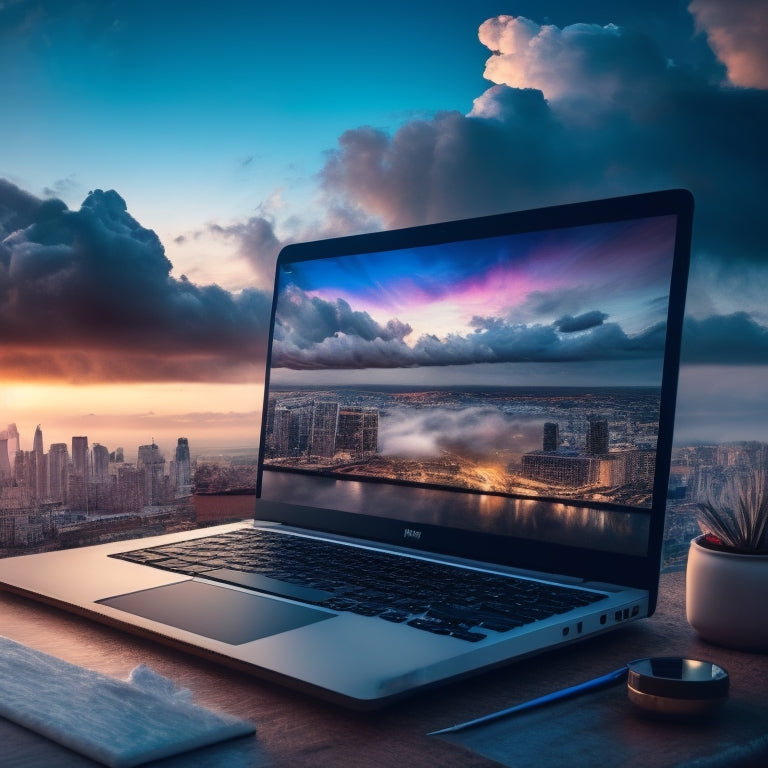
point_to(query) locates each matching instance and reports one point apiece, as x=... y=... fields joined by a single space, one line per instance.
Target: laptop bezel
x=614 y=568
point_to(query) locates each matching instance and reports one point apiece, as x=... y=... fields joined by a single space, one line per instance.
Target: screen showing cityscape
x=518 y=368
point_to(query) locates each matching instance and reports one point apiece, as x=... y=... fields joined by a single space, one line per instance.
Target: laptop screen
x=490 y=377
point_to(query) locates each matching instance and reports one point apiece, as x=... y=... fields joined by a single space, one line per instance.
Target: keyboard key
x=433 y=597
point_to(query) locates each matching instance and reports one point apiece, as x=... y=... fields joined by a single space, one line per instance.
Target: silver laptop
x=463 y=461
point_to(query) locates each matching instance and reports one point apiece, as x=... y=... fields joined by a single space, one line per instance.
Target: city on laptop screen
x=506 y=385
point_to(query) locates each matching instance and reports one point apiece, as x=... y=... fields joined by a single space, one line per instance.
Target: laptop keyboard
x=434 y=597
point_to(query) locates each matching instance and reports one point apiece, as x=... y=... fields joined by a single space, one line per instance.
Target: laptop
x=464 y=459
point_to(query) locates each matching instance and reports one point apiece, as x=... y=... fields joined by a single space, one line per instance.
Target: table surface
x=294 y=730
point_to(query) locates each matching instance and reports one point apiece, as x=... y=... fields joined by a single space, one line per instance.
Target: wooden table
x=293 y=730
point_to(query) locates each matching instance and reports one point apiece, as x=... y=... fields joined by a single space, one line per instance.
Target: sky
x=154 y=157
x=557 y=304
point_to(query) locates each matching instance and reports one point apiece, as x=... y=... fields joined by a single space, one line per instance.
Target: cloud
x=584 y=62
x=468 y=431
x=581 y=112
x=313 y=333
x=568 y=324
x=63 y=187
x=587 y=111
x=87 y=296
x=17 y=209
x=573 y=112
x=257 y=243
x=735 y=339
x=737 y=30
x=449 y=167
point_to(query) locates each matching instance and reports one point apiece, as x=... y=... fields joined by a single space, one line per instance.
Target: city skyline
x=146 y=189
x=47 y=443
x=42 y=490
x=486 y=439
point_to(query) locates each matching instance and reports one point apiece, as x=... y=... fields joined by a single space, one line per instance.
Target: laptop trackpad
x=219 y=613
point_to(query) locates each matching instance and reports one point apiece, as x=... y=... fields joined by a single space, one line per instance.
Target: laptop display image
x=463 y=460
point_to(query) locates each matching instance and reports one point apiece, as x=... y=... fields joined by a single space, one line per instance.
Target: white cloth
x=114 y=722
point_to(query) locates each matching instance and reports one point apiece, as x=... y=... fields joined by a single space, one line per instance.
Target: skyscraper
x=40 y=464
x=597 y=437
x=100 y=464
x=5 y=464
x=182 y=468
x=153 y=464
x=551 y=436
x=357 y=431
x=37 y=441
x=77 y=491
x=58 y=471
x=325 y=418
x=80 y=457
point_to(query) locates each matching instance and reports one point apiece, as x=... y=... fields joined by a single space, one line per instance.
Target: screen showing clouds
x=577 y=296
x=523 y=366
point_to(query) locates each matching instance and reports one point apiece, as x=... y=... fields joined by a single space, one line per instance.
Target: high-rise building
x=597 y=437
x=130 y=489
x=40 y=482
x=5 y=462
x=182 y=468
x=325 y=418
x=37 y=441
x=100 y=464
x=357 y=431
x=77 y=490
x=551 y=436
x=152 y=462
x=80 y=463
x=58 y=471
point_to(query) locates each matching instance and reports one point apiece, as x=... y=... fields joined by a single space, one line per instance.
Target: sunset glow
x=156 y=159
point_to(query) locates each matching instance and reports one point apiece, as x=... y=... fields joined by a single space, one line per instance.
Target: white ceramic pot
x=726 y=597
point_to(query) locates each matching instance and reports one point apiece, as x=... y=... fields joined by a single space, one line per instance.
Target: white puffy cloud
x=529 y=55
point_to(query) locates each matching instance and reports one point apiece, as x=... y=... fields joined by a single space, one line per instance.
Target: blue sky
x=227 y=101
x=218 y=132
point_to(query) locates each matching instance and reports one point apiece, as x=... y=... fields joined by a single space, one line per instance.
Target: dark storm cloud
x=585 y=111
x=729 y=340
x=448 y=167
x=562 y=302
x=595 y=110
x=313 y=334
x=308 y=320
x=88 y=294
x=17 y=209
x=568 y=324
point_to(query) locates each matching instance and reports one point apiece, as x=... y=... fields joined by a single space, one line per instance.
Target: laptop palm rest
x=227 y=615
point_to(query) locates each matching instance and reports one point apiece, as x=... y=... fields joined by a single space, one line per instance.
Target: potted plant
x=727 y=572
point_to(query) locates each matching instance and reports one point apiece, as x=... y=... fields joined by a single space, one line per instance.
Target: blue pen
x=603 y=681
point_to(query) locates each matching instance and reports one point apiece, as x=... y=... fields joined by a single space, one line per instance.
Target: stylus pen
x=575 y=690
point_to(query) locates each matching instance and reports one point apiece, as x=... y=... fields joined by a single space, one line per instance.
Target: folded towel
x=115 y=722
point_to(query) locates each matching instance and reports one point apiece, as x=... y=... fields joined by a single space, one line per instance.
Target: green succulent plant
x=739 y=519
